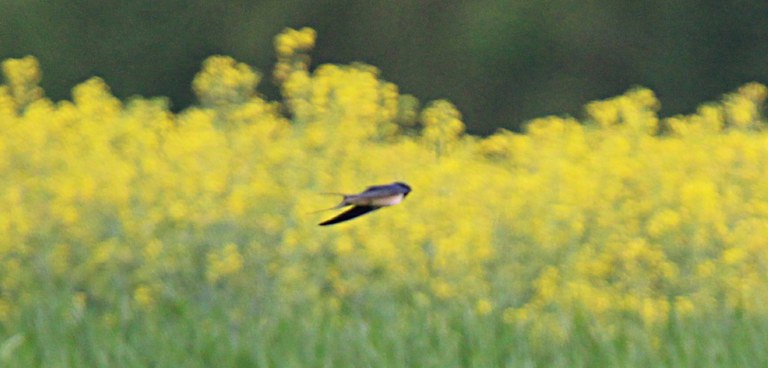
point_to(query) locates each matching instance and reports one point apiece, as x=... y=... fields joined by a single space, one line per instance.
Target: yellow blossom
x=684 y=306
x=616 y=221
x=483 y=307
x=224 y=81
x=143 y=296
x=22 y=77
x=223 y=263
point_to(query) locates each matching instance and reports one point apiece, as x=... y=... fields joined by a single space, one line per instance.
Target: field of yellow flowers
x=134 y=236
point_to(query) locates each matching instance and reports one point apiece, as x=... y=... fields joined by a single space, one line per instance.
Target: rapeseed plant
x=128 y=222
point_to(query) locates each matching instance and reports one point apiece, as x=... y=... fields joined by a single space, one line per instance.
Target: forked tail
x=336 y=207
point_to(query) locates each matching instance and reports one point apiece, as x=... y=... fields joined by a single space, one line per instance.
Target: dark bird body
x=371 y=199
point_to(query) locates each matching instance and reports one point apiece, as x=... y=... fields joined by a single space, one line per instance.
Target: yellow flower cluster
x=224 y=81
x=292 y=47
x=22 y=77
x=291 y=41
x=223 y=263
x=349 y=98
x=623 y=218
x=442 y=125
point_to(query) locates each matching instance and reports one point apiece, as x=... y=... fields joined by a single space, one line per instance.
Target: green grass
x=377 y=333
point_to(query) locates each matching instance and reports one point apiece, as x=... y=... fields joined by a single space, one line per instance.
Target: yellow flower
x=662 y=222
x=547 y=284
x=654 y=312
x=684 y=306
x=153 y=249
x=442 y=125
x=305 y=39
x=604 y=113
x=512 y=315
x=734 y=255
x=483 y=307
x=344 y=245
x=224 y=263
x=224 y=81
x=442 y=289
x=23 y=76
x=143 y=296
x=600 y=218
x=285 y=44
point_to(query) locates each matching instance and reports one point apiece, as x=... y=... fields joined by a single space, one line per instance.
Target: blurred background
x=500 y=62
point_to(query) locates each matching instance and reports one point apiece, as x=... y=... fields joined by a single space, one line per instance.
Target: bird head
x=405 y=187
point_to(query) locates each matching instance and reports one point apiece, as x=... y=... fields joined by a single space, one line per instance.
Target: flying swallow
x=371 y=199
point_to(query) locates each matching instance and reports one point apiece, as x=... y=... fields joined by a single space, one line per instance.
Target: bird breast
x=387 y=201
x=382 y=201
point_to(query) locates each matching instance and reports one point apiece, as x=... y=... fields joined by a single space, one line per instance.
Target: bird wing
x=379 y=191
x=349 y=214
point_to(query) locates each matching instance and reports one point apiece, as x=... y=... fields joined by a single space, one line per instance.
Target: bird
x=371 y=199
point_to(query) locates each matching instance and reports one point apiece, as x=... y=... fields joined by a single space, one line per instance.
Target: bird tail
x=336 y=207
x=327 y=209
x=335 y=194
